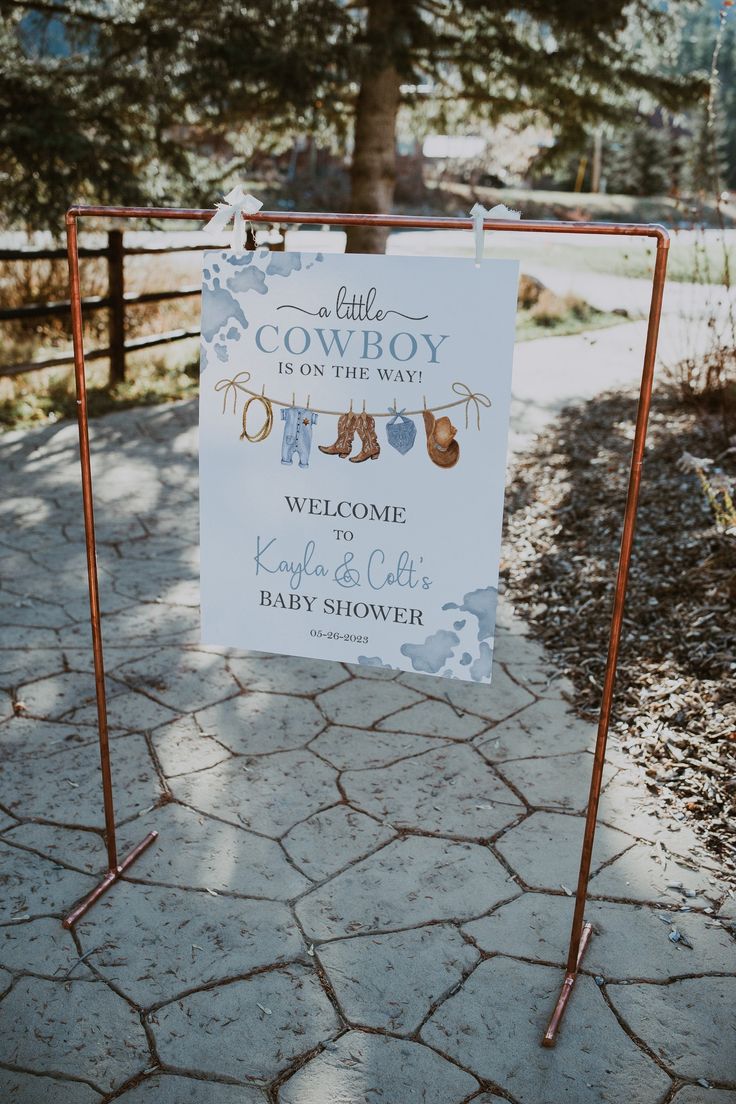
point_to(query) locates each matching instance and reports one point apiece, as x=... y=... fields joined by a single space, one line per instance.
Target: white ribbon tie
x=479 y=213
x=237 y=206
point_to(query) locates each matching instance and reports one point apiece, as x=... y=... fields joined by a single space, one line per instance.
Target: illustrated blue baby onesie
x=298 y=424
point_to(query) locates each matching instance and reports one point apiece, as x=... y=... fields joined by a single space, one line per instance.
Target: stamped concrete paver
x=505 y=698
x=248 y=1029
x=361 y=1067
x=696 y=1094
x=24 y=737
x=128 y=711
x=688 y=1023
x=35 y=886
x=331 y=840
x=629 y=941
x=555 y=782
x=391 y=981
x=434 y=718
x=198 y=852
x=181 y=747
x=498 y=1039
x=544 y=850
x=6 y=705
x=286 y=674
x=150 y=623
x=409 y=882
x=66 y=787
x=51 y=698
x=6 y=821
x=171 y=1089
x=40 y=946
x=256 y=723
x=644 y=873
x=184 y=681
x=183 y=940
x=25 y=1088
x=360 y=885
x=543 y=728
x=362 y=702
x=269 y=794
x=451 y=791
x=354 y=748
x=74 y=847
x=81 y=1029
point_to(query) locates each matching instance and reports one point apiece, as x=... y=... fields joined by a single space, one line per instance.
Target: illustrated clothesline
x=237 y=383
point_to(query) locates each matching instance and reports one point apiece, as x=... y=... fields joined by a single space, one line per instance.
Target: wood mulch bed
x=675 y=701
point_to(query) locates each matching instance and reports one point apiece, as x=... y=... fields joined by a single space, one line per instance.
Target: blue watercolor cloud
x=432 y=655
x=219 y=307
x=481 y=667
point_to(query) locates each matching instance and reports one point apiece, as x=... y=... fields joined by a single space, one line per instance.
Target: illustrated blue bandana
x=401 y=432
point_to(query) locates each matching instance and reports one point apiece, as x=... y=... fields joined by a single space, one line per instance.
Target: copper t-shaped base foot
x=550 y=1036
x=110 y=878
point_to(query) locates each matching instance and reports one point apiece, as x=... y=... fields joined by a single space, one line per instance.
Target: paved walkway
x=361 y=890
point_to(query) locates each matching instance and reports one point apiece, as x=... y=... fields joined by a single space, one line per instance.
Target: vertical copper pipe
x=627 y=539
x=89 y=535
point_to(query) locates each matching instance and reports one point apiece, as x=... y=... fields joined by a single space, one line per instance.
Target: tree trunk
x=373 y=173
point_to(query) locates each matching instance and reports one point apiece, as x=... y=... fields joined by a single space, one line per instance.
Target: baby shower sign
x=353 y=426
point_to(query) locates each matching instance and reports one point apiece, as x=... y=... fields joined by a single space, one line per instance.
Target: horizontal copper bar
x=406 y=222
x=110 y=878
x=550 y=1036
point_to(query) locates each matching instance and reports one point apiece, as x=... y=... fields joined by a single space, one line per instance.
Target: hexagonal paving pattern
x=687 y=1023
x=269 y=794
x=360 y=887
x=66 y=787
x=184 y=940
x=360 y=1067
x=331 y=840
x=27 y=1088
x=451 y=791
x=486 y=1032
x=391 y=981
x=409 y=882
x=81 y=1029
x=629 y=941
x=251 y=1028
x=200 y=852
x=359 y=701
x=545 y=849
x=171 y=1089
x=255 y=723
x=355 y=748
x=35 y=886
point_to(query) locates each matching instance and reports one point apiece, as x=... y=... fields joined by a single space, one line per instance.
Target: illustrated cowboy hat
x=442 y=447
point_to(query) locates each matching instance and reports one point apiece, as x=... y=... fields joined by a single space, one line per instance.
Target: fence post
x=116 y=293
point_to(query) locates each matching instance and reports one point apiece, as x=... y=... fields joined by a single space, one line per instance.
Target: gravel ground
x=675 y=703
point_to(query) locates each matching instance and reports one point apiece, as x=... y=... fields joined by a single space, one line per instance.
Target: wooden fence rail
x=115 y=303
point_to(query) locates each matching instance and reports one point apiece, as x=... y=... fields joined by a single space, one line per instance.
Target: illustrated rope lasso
x=267 y=426
x=237 y=383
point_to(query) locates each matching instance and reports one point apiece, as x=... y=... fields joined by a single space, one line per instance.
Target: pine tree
x=117 y=106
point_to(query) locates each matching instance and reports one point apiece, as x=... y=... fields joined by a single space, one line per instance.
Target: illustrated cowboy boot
x=345 y=434
x=365 y=427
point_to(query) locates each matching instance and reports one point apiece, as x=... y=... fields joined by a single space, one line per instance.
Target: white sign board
x=353 y=425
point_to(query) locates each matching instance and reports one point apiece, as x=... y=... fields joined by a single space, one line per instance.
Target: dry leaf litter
x=675 y=700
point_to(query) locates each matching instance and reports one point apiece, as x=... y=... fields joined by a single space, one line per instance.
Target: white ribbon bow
x=237 y=206
x=478 y=213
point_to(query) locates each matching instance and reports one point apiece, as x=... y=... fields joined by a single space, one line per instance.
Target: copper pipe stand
x=550 y=1036
x=110 y=878
x=580 y=932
